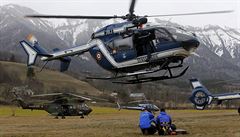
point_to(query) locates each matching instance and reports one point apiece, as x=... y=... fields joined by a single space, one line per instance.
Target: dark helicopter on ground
x=61 y=104
x=130 y=49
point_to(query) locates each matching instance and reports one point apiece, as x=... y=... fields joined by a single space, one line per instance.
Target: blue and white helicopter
x=202 y=97
x=129 y=49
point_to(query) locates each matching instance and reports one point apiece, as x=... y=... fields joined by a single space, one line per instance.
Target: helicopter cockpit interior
x=122 y=44
x=136 y=43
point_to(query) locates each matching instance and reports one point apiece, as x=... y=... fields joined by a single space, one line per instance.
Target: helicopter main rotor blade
x=44 y=95
x=131 y=9
x=62 y=94
x=72 y=17
x=196 y=13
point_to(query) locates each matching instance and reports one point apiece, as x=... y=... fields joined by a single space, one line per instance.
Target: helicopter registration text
x=144 y=59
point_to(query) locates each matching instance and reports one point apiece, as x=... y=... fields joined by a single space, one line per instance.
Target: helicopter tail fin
x=33 y=49
x=19 y=100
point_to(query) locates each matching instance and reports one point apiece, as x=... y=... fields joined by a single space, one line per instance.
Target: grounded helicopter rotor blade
x=73 y=17
x=61 y=94
x=78 y=96
x=131 y=9
x=44 y=95
x=196 y=13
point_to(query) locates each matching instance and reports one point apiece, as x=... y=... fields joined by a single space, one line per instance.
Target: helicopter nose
x=190 y=45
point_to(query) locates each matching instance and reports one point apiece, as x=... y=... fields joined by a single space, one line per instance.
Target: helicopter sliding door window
x=123 y=44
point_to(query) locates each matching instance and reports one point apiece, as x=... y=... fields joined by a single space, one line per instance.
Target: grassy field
x=109 y=122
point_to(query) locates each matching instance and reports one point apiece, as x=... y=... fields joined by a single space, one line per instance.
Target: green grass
x=8 y=111
x=109 y=122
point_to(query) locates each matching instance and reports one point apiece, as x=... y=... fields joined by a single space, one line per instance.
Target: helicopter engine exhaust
x=140 y=21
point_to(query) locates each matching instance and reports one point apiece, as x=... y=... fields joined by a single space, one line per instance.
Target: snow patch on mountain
x=221 y=41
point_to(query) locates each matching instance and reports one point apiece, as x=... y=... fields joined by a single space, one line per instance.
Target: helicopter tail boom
x=34 y=50
x=21 y=103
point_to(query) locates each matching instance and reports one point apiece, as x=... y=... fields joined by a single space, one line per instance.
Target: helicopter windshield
x=163 y=35
x=178 y=34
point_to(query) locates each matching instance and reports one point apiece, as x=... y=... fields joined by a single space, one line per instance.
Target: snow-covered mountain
x=77 y=32
x=14 y=28
x=219 y=51
x=225 y=42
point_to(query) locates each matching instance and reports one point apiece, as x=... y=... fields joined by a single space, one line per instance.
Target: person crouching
x=147 y=122
x=164 y=124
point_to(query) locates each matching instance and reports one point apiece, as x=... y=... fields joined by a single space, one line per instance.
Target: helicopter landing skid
x=135 y=73
x=149 y=79
x=126 y=75
x=145 y=79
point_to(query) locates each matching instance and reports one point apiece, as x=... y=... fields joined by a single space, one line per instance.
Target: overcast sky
x=143 y=7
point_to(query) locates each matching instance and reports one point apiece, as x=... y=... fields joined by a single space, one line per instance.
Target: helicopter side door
x=143 y=42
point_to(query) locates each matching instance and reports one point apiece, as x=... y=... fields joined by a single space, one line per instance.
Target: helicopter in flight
x=62 y=104
x=133 y=49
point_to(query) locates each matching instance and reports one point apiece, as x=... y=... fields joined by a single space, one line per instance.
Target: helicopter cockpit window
x=162 y=35
x=180 y=34
x=121 y=44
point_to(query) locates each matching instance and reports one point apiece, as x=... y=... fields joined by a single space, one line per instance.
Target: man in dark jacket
x=147 y=122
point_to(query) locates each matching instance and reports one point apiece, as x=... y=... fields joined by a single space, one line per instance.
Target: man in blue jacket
x=164 y=123
x=147 y=122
